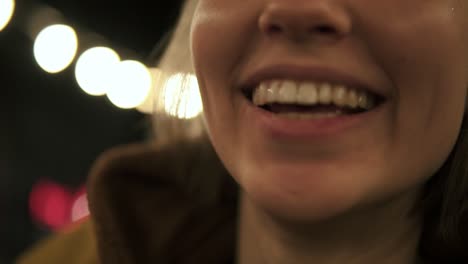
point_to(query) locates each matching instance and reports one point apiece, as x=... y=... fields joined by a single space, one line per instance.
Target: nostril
x=323 y=29
x=274 y=29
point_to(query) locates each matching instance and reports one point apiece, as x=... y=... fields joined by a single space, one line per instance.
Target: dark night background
x=50 y=129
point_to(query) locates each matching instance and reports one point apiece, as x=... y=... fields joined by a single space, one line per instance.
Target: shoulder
x=72 y=247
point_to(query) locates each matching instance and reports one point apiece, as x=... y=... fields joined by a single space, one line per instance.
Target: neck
x=384 y=234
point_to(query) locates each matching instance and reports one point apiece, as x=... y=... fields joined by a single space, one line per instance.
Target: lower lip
x=281 y=127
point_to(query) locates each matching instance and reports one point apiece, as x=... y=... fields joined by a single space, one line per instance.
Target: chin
x=297 y=196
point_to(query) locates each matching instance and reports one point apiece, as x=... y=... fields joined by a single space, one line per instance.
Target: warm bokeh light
x=147 y=105
x=182 y=96
x=7 y=8
x=93 y=70
x=131 y=84
x=55 y=48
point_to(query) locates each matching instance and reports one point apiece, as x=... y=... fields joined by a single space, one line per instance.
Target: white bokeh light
x=7 y=8
x=80 y=208
x=93 y=70
x=147 y=107
x=182 y=96
x=131 y=84
x=55 y=48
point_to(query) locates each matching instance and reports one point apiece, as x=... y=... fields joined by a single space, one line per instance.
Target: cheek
x=210 y=58
x=221 y=38
x=219 y=43
x=211 y=64
x=215 y=41
x=429 y=77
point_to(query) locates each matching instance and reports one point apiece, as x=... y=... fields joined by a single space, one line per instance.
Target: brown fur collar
x=169 y=205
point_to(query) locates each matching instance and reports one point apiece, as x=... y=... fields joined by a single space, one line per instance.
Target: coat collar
x=175 y=204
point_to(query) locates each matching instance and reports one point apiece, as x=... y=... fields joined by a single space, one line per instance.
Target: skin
x=345 y=198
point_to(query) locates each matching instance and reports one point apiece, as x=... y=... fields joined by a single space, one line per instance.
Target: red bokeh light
x=56 y=206
x=49 y=203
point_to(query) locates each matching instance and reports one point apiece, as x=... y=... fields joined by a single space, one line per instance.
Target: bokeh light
x=147 y=105
x=55 y=48
x=79 y=209
x=7 y=8
x=93 y=70
x=182 y=96
x=49 y=204
x=131 y=84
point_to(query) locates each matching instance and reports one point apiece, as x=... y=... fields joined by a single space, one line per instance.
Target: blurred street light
x=93 y=70
x=7 y=8
x=131 y=84
x=55 y=48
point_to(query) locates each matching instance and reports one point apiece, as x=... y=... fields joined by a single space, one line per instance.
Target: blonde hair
x=176 y=60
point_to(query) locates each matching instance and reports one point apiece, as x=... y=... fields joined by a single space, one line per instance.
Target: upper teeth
x=311 y=93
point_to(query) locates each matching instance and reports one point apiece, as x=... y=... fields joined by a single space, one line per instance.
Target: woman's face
x=409 y=56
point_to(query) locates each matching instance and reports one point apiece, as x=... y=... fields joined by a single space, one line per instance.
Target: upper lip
x=307 y=73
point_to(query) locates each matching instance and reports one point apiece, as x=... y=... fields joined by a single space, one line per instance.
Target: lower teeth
x=310 y=115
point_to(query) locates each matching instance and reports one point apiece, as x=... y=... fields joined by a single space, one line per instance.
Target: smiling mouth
x=311 y=100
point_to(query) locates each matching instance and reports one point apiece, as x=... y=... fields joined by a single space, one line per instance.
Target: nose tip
x=315 y=19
